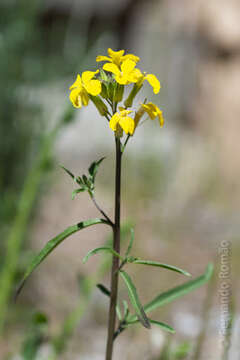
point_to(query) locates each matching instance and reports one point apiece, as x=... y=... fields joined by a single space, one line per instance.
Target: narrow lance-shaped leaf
x=133 y=296
x=94 y=168
x=100 y=249
x=176 y=292
x=68 y=172
x=104 y=290
x=77 y=191
x=118 y=312
x=162 y=325
x=130 y=242
x=125 y=309
x=77 y=179
x=106 y=264
x=52 y=244
x=158 y=264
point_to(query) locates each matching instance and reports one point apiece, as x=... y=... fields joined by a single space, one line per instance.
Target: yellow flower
x=127 y=73
x=121 y=121
x=84 y=86
x=117 y=57
x=152 y=80
x=153 y=111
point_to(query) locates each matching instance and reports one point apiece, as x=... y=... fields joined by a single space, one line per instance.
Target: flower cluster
x=105 y=87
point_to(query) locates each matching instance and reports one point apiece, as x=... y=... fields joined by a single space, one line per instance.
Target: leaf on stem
x=158 y=264
x=130 y=243
x=77 y=191
x=103 y=289
x=93 y=168
x=52 y=244
x=133 y=296
x=176 y=292
x=125 y=309
x=69 y=172
x=100 y=249
x=118 y=312
x=78 y=180
x=162 y=325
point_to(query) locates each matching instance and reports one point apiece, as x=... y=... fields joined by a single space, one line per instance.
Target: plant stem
x=116 y=247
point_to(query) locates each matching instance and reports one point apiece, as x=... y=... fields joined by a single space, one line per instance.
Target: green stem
x=116 y=247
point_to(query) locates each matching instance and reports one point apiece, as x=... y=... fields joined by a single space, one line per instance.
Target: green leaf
x=130 y=243
x=125 y=309
x=133 y=296
x=77 y=191
x=125 y=227
x=86 y=181
x=68 y=172
x=93 y=168
x=53 y=243
x=162 y=325
x=176 y=292
x=156 y=263
x=104 y=290
x=118 y=312
x=77 y=179
x=99 y=249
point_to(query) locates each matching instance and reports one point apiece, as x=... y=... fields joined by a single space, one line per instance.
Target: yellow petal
x=93 y=87
x=130 y=57
x=102 y=58
x=153 y=111
x=154 y=82
x=128 y=66
x=88 y=75
x=127 y=124
x=111 y=68
x=160 y=118
x=84 y=97
x=114 y=121
x=136 y=76
x=113 y=54
x=75 y=98
x=150 y=108
x=77 y=83
x=124 y=112
x=122 y=79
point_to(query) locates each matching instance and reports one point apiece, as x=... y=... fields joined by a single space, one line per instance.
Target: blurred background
x=180 y=183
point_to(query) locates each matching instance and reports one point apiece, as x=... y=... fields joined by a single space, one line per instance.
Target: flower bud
x=136 y=88
x=104 y=92
x=118 y=93
x=102 y=108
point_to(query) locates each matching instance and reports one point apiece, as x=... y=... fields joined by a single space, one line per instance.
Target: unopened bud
x=102 y=108
x=136 y=88
x=118 y=92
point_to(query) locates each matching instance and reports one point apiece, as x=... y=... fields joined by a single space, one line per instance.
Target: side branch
x=101 y=211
